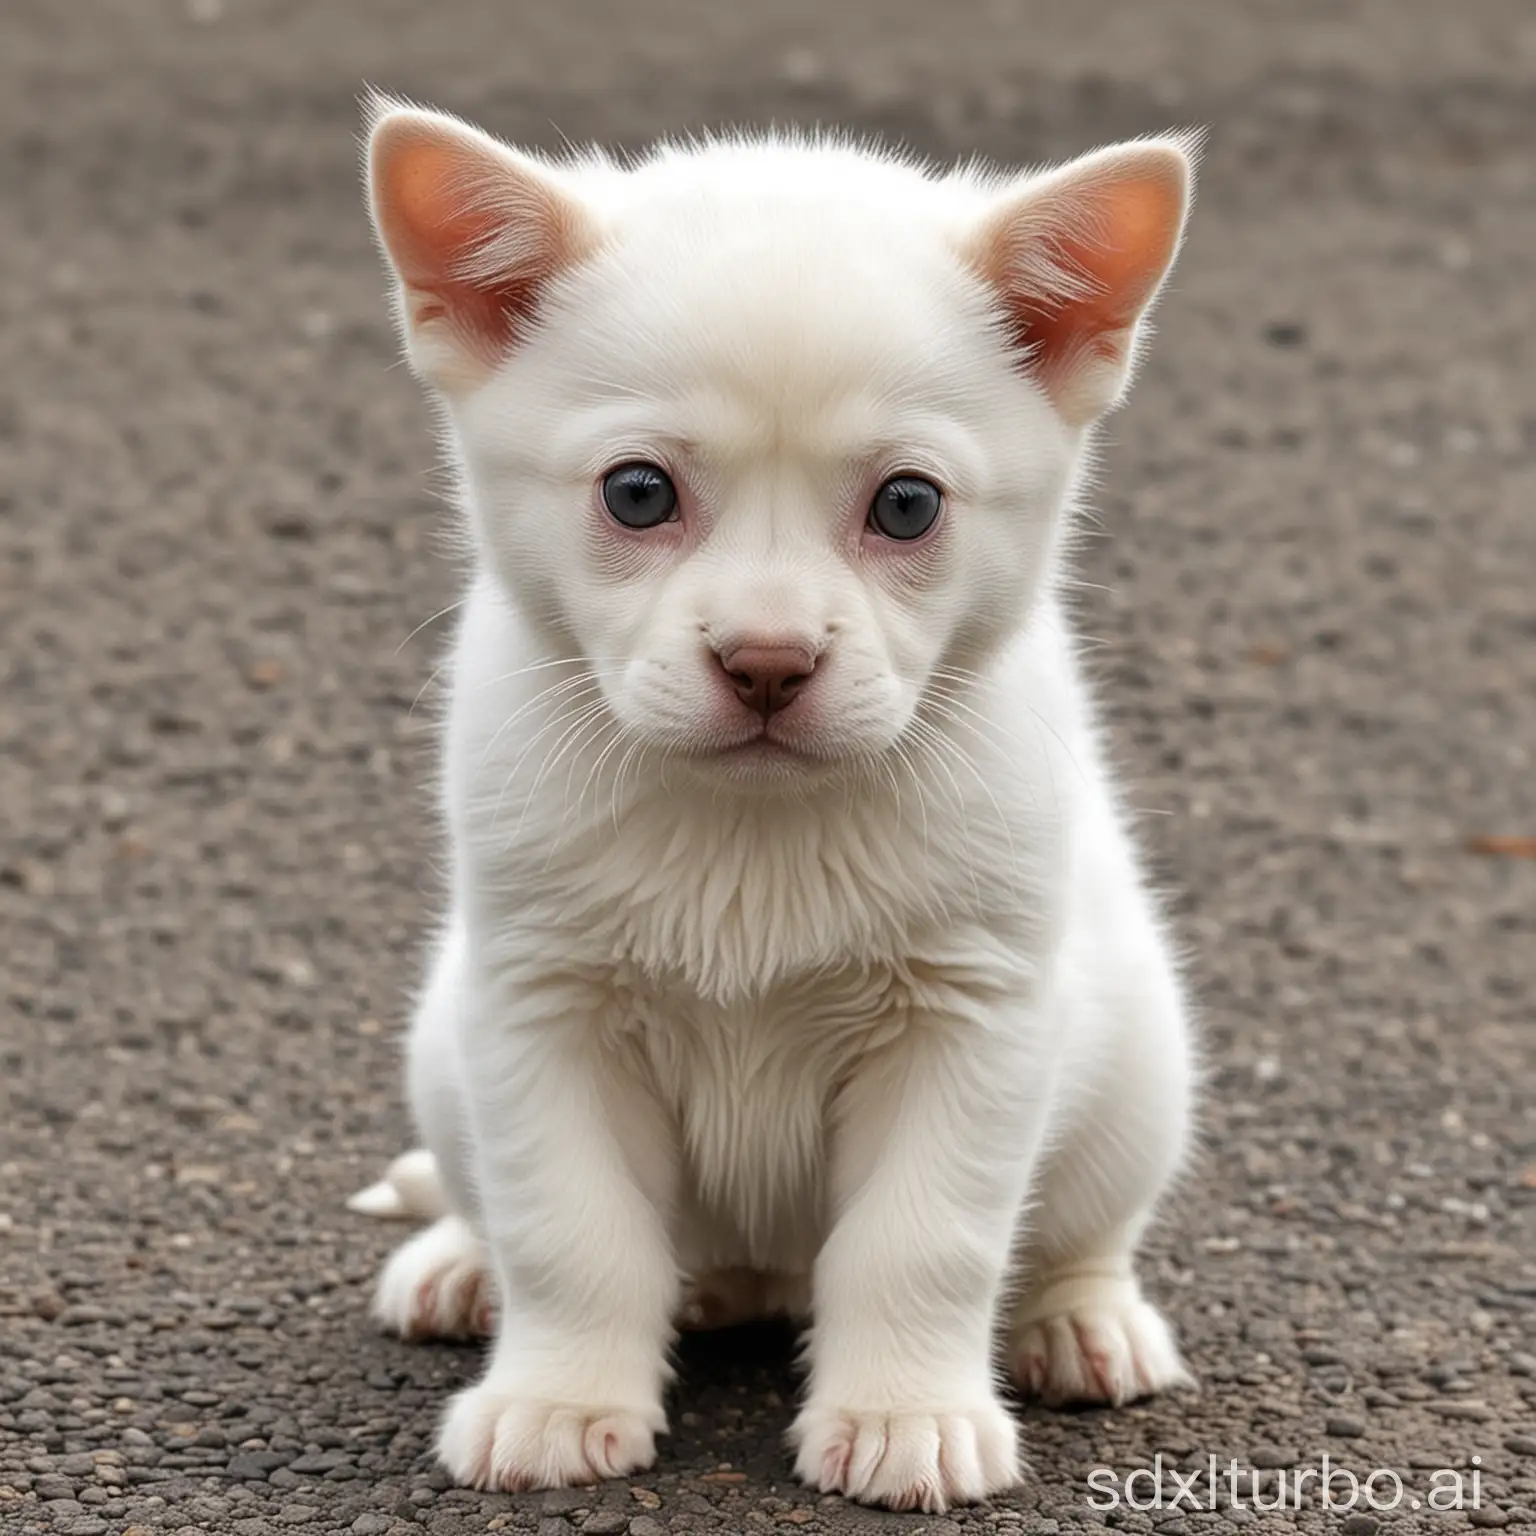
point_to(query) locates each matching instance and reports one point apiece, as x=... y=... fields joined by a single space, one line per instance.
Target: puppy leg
x=930 y=1162
x=574 y=1173
x=439 y=1283
x=1082 y=1331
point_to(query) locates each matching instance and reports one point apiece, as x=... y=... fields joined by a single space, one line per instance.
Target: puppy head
x=774 y=436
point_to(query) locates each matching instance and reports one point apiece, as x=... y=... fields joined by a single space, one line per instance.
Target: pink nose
x=767 y=677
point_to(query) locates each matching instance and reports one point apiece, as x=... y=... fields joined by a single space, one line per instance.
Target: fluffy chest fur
x=751 y=1088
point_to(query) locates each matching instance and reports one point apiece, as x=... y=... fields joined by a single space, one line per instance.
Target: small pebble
x=264 y=673
x=81 y=1315
x=1285 y=333
x=1489 y=1518
x=605 y=1522
x=47 y=1305
x=1268 y=1457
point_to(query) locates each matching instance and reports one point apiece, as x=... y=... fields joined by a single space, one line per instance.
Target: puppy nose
x=767 y=677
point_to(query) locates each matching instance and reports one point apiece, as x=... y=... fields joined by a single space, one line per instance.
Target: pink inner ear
x=1112 y=240
x=443 y=205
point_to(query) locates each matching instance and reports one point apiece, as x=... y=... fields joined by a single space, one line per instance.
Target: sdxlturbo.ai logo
x=1233 y=1486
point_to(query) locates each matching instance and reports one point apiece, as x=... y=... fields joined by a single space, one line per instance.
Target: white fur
x=884 y=1025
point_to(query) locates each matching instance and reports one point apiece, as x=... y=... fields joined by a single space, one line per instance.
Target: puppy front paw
x=1095 y=1342
x=495 y=1439
x=908 y=1460
x=437 y=1285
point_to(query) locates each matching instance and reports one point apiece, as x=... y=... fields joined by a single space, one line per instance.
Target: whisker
x=917 y=784
x=637 y=746
x=567 y=740
x=436 y=673
x=620 y=736
x=580 y=713
x=554 y=661
x=935 y=740
x=441 y=613
x=579 y=743
x=968 y=762
x=573 y=686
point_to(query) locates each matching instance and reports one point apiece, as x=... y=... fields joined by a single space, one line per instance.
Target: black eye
x=639 y=495
x=905 y=508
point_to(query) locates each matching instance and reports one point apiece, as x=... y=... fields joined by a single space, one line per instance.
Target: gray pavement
x=220 y=523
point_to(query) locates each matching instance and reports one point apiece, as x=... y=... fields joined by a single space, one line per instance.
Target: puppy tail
x=409 y=1191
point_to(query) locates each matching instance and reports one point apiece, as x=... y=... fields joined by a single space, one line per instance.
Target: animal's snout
x=767 y=676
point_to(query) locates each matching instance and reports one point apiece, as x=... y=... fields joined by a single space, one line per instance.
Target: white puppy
x=798 y=956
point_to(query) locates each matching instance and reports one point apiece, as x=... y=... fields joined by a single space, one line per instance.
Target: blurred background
x=221 y=551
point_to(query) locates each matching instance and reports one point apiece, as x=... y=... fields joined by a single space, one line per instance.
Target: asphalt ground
x=220 y=528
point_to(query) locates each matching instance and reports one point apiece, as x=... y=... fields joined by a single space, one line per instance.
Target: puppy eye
x=639 y=495
x=905 y=507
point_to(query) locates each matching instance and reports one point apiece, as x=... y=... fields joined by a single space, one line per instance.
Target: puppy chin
x=783 y=758
x=759 y=765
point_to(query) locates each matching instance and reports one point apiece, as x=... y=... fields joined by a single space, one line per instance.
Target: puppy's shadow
x=733 y=1400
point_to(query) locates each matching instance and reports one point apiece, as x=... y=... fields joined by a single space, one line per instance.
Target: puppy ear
x=475 y=233
x=1076 y=258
